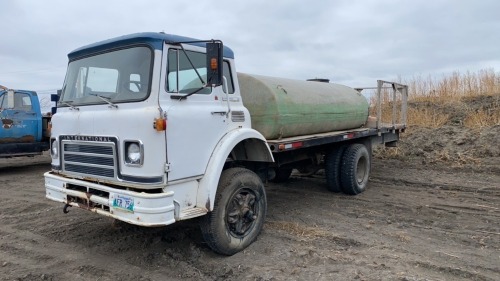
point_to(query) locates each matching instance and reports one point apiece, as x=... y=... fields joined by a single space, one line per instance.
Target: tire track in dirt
x=36 y=253
x=416 y=224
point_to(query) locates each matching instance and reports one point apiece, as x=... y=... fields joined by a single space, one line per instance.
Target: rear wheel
x=355 y=169
x=239 y=211
x=333 y=161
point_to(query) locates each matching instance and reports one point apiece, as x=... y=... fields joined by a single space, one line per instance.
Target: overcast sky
x=351 y=42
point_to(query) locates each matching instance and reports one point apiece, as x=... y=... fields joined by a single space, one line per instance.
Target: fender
x=208 y=184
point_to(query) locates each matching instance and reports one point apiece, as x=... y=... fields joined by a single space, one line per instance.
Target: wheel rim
x=361 y=170
x=241 y=212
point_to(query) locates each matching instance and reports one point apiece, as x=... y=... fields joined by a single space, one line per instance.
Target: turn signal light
x=160 y=124
x=213 y=63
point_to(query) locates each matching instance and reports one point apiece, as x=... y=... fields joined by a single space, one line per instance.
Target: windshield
x=118 y=76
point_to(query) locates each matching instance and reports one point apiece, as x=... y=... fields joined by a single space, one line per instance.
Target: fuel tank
x=283 y=108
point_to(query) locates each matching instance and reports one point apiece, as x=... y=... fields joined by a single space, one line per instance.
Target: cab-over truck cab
x=150 y=130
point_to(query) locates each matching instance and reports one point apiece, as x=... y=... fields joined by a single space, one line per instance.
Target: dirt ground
x=418 y=220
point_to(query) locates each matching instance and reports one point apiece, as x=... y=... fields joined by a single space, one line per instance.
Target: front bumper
x=147 y=209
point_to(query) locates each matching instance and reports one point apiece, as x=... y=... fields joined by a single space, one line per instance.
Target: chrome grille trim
x=95 y=159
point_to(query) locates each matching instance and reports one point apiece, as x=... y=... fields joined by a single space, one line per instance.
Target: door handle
x=219 y=112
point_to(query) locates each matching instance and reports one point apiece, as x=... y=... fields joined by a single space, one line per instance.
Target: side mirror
x=55 y=97
x=214 y=63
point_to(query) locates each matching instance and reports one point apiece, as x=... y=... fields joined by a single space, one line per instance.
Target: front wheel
x=239 y=211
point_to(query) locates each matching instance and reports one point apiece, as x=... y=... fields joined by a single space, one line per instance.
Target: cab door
x=196 y=116
x=19 y=119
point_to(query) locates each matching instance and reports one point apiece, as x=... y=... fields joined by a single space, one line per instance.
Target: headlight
x=133 y=153
x=54 y=148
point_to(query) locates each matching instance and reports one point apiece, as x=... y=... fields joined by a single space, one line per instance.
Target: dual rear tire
x=347 y=169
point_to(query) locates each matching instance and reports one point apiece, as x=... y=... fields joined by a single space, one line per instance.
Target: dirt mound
x=454 y=144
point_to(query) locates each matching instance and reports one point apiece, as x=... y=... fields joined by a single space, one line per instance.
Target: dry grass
x=455 y=86
x=428 y=96
x=483 y=118
x=383 y=152
x=455 y=159
x=296 y=229
x=427 y=117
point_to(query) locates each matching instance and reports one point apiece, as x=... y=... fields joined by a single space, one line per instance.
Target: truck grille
x=89 y=159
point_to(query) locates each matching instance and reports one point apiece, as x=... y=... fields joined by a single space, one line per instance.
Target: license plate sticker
x=124 y=203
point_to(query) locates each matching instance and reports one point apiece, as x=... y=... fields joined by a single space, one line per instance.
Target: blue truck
x=24 y=130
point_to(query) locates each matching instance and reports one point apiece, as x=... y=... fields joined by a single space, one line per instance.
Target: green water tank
x=282 y=108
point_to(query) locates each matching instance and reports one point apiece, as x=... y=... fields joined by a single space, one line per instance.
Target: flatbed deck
x=387 y=133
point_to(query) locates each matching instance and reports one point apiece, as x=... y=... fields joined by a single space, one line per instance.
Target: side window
x=26 y=103
x=3 y=101
x=181 y=76
x=172 y=70
x=135 y=84
x=229 y=78
x=22 y=102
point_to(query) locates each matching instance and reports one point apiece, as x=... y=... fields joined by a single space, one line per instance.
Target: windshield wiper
x=106 y=99
x=190 y=94
x=69 y=104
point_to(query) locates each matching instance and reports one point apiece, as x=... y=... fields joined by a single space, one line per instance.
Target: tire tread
x=349 y=184
x=333 y=163
x=208 y=224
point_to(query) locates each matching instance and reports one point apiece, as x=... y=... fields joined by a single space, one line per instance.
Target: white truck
x=152 y=128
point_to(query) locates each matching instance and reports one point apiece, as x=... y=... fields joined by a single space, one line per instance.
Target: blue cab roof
x=33 y=93
x=153 y=39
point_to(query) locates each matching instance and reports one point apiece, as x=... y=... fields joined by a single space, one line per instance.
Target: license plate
x=123 y=203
